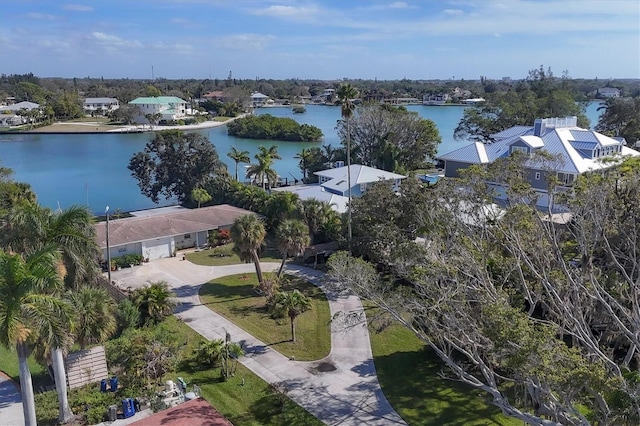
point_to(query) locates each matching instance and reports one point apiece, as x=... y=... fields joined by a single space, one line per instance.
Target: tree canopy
x=174 y=163
x=621 y=118
x=508 y=298
x=390 y=138
x=541 y=95
x=267 y=126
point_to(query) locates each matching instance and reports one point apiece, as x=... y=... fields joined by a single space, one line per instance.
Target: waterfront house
x=575 y=150
x=159 y=233
x=608 y=92
x=258 y=100
x=101 y=104
x=436 y=99
x=333 y=188
x=170 y=107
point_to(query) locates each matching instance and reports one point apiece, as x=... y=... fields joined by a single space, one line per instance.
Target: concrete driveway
x=341 y=389
x=10 y=403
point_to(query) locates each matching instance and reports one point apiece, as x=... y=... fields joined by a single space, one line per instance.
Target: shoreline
x=119 y=130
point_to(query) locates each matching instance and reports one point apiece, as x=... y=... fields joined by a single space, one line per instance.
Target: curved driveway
x=10 y=403
x=341 y=389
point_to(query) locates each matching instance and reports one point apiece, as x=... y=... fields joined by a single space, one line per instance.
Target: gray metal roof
x=563 y=142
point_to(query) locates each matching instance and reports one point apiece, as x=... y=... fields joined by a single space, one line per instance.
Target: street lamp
x=106 y=212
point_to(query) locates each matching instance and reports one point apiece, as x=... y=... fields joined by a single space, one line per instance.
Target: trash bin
x=113 y=384
x=103 y=385
x=136 y=405
x=112 y=413
x=128 y=409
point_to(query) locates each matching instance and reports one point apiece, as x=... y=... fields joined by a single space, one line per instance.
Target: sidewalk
x=10 y=403
x=341 y=389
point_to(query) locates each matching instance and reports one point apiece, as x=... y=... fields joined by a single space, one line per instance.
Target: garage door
x=157 y=249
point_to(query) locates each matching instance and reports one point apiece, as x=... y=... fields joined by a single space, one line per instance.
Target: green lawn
x=234 y=298
x=409 y=376
x=9 y=364
x=252 y=404
x=209 y=257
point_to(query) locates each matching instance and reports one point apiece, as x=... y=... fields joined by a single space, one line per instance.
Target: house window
x=187 y=236
x=537 y=175
x=566 y=178
x=521 y=149
x=363 y=188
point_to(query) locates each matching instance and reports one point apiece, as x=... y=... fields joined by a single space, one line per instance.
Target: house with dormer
x=575 y=151
x=333 y=184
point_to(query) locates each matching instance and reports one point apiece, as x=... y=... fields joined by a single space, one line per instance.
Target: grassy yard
x=9 y=364
x=234 y=298
x=212 y=256
x=253 y=404
x=409 y=375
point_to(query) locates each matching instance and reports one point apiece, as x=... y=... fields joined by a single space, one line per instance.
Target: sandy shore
x=103 y=127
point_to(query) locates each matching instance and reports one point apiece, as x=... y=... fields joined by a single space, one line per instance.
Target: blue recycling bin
x=103 y=385
x=128 y=409
x=113 y=384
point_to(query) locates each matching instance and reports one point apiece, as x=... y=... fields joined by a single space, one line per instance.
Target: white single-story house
x=334 y=189
x=158 y=234
x=20 y=106
x=170 y=107
x=101 y=104
x=608 y=92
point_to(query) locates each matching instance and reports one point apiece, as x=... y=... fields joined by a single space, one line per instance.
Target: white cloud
x=284 y=11
x=41 y=16
x=78 y=7
x=181 y=21
x=180 y=48
x=244 y=41
x=112 y=43
x=400 y=5
x=453 y=12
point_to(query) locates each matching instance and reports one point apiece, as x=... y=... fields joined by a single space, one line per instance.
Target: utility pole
x=106 y=211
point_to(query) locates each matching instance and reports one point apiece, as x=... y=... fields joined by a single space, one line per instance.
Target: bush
x=128 y=260
x=127 y=316
x=223 y=251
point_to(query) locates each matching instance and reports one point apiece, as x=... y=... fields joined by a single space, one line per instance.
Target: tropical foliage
x=262 y=171
x=267 y=126
x=293 y=238
x=248 y=235
x=621 y=118
x=238 y=157
x=290 y=304
x=94 y=315
x=174 y=163
x=154 y=302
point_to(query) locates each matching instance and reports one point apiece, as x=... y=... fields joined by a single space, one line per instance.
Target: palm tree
x=29 y=310
x=292 y=304
x=210 y=352
x=239 y=157
x=248 y=235
x=94 y=312
x=155 y=302
x=263 y=170
x=346 y=93
x=293 y=238
x=316 y=213
x=31 y=228
x=305 y=156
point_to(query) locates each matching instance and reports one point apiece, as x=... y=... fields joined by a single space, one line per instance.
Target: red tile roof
x=196 y=412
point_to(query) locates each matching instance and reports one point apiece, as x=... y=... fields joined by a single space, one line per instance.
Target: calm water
x=92 y=170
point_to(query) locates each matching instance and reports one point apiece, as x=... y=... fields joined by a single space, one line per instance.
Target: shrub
x=127 y=316
x=209 y=352
x=223 y=251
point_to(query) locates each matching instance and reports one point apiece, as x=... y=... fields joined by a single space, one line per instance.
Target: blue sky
x=429 y=39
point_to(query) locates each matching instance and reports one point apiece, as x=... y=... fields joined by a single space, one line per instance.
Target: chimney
x=539 y=127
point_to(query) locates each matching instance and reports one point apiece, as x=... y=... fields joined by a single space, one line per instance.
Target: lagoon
x=91 y=169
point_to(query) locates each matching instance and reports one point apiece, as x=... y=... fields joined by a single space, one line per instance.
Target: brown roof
x=136 y=229
x=196 y=412
x=216 y=94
